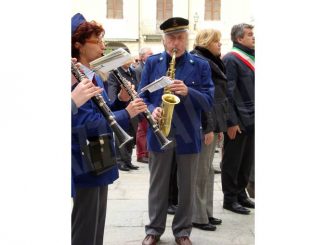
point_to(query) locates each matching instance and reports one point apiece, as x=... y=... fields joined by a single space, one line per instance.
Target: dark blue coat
x=186 y=123
x=89 y=122
x=241 y=91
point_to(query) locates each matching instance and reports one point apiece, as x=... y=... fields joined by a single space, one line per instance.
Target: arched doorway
x=112 y=45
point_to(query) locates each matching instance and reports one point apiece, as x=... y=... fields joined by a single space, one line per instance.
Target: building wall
x=140 y=20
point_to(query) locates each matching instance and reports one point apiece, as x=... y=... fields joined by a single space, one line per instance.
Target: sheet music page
x=157 y=84
x=111 y=61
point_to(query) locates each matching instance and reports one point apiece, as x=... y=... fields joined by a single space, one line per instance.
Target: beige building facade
x=139 y=26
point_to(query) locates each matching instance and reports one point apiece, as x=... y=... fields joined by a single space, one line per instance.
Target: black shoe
x=131 y=166
x=236 y=207
x=172 y=208
x=123 y=167
x=216 y=171
x=247 y=203
x=205 y=227
x=214 y=221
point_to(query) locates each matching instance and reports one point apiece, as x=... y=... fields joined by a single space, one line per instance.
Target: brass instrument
x=169 y=100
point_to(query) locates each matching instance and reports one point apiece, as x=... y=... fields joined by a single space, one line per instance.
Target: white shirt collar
x=88 y=72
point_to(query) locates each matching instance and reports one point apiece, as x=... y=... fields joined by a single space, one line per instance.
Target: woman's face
x=215 y=48
x=92 y=49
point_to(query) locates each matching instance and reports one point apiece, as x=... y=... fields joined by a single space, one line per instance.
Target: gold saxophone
x=169 y=100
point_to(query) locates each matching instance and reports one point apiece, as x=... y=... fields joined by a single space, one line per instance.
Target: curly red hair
x=82 y=33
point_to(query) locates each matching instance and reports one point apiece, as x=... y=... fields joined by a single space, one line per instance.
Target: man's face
x=248 y=39
x=177 y=40
x=146 y=55
x=128 y=64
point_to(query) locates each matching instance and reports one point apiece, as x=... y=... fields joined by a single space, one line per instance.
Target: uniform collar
x=88 y=72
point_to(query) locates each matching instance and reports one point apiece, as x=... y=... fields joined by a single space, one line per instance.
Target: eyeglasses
x=96 y=41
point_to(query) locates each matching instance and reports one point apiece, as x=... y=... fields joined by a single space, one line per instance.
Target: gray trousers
x=204 y=191
x=160 y=168
x=88 y=216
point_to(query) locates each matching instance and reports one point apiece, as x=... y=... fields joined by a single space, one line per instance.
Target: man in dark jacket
x=238 y=157
x=123 y=154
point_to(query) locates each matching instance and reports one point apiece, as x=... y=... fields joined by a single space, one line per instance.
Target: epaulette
x=193 y=57
x=155 y=56
x=197 y=56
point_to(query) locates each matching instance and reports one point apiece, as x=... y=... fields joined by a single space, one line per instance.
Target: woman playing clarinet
x=92 y=140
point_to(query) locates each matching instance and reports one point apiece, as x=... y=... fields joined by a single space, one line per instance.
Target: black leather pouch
x=99 y=154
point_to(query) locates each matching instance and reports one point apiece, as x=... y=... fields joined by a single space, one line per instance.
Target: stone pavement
x=127 y=214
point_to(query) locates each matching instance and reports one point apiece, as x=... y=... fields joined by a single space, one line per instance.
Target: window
x=114 y=9
x=212 y=9
x=164 y=9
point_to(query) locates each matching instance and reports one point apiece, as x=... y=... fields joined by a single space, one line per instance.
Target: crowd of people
x=216 y=105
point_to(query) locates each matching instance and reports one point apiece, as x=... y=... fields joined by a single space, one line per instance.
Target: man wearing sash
x=238 y=157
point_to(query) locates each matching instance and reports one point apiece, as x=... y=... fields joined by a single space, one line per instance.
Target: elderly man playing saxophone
x=193 y=85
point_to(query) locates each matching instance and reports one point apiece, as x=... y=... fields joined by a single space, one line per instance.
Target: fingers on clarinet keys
x=123 y=96
x=135 y=107
x=140 y=105
x=157 y=114
x=132 y=110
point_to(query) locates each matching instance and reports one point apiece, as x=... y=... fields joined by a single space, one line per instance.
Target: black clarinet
x=164 y=142
x=122 y=136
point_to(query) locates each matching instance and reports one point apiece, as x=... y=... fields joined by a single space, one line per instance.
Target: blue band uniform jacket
x=186 y=123
x=89 y=122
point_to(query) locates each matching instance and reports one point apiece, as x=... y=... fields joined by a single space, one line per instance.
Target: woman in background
x=207 y=45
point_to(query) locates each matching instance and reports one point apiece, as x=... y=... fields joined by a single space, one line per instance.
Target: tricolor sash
x=244 y=57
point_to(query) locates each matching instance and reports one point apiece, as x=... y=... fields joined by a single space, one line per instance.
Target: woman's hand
x=84 y=91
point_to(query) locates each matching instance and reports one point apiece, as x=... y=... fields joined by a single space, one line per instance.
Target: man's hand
x=123 y=94
x=135 y=107
x=84 y=91
x=179 y=88
x=157 y=114
x=208 y=138
x=232 y=131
